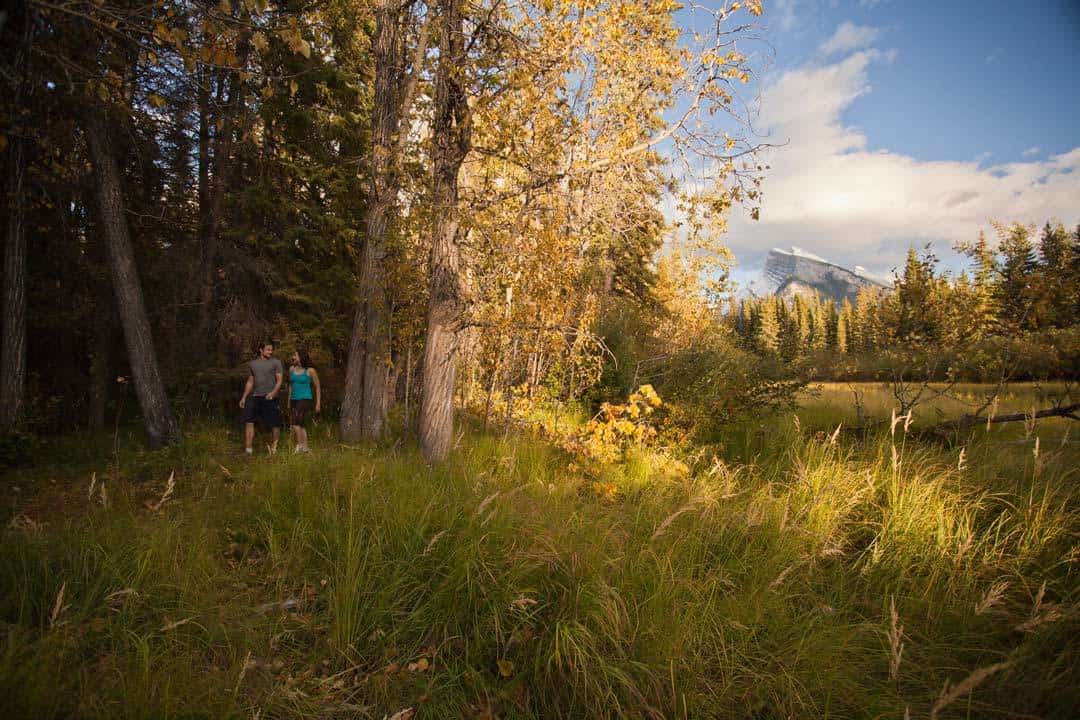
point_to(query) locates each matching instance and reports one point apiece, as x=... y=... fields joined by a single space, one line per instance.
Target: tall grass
x=781 y=580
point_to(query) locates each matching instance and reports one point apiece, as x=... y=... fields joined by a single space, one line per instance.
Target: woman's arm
x=318 y=388
x=288 y=393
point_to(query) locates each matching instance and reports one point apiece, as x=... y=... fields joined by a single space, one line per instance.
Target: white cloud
x=828 y=193
x=1032 y=151
x=870 y=4
x=848 y=37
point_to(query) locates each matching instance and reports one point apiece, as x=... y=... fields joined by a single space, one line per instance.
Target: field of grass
x=832 y=401
x=788 y=575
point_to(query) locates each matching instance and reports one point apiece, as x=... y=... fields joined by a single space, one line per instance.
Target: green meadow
x=793 y=572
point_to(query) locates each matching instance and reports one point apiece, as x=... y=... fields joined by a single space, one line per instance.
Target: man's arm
x=247 y=389
x=318 y=389
x=277 y=385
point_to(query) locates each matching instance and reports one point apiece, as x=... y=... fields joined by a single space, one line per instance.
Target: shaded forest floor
x=784 y=576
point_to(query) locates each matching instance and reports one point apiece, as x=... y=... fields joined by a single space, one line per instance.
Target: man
x=265 y=374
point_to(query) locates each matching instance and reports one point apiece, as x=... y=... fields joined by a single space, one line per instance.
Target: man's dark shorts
x=262 y=411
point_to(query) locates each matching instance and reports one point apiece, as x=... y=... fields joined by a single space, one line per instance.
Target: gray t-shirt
x=264 y=371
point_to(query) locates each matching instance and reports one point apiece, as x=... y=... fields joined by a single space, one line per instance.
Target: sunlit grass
x=359 y=581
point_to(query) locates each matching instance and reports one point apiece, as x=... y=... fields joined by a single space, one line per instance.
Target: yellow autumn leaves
x=617 y=427
x=617 y=431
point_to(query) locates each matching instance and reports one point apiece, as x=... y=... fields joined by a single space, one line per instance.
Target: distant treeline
x=1016 y=311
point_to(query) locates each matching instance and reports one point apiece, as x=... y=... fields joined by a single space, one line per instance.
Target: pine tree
x=915 y=322
x=744 y=323
x=1074 y=274
x=767 y=326
x=1014 y=288
x=1055 y=277
x=800 y=325
x=819 y=325
x=789 y=341
x=831 y=319
x=959 y=302
x=867 y=321
x=984 y=316
x=843 y=324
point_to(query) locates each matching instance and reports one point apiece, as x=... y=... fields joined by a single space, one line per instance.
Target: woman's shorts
x=301 y=410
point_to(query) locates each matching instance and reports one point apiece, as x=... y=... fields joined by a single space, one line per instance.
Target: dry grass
x=793 y=573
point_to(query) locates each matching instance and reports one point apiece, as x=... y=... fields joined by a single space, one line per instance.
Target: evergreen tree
x=843 y=323
x=1074 y=274
x=916 y=320
x=1014 y=288
x=831 y=319
x=789 y=341
x=1056 y=281
x=819 y=325
x=960 y=302
x=984 y=316
x=767 y=326
x=867 y=321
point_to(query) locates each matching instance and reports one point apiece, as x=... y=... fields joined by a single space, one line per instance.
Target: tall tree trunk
x=377 y=356
x=203 y=101
x=13 y=339
x=365 y=402
x=214 y=196
x=13 y=347
x=452 y=137
x=157 y=415
x=101 y=343
x=408 y=388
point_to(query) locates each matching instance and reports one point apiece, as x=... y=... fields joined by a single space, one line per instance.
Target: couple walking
x=260 y=399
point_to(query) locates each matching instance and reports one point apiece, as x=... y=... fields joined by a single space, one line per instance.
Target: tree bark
x=365 y=402
x=362 y=415
x=13 y=340
x=212 y=196
x=452 y=138
x=160 y=425
x=203 y=101
x=99 y=366
x=13 y=349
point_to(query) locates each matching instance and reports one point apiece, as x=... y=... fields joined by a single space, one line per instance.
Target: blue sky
x=989 y=76
x=912 y=121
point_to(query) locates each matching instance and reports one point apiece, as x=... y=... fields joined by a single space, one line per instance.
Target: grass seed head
x=58 y=607
x=951 y=693
x=896 y=640
x=992 y=597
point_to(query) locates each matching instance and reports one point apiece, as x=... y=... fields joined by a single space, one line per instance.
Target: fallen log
x=962 y=423
x=969 y=421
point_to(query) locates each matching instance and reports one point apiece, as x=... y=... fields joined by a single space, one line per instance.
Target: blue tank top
x=301 y=385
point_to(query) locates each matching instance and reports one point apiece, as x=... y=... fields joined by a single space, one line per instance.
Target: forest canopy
x=444 y=203
x=401 y=188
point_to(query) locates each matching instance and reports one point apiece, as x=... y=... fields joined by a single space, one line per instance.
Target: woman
x=302 y=379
